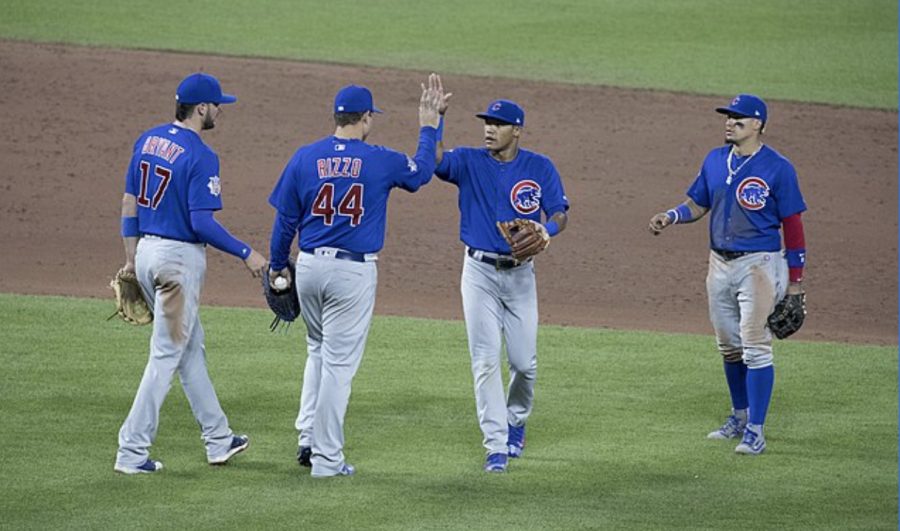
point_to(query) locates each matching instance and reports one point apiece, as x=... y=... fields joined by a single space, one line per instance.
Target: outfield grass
x=831 y=51
x=616 y=439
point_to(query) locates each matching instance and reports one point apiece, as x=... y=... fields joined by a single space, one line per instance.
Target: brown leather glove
x=526 y=238
x=130 y=303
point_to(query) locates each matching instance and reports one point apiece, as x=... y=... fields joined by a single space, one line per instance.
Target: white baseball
x=281 y=283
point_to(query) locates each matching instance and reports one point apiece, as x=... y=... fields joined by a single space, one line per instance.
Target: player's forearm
x=210 y=231
x=697 y=211
x=795 y=247
x=424 y=158
x=284 y=228
x=557 y=223
x=130 y=229
x=439 y=143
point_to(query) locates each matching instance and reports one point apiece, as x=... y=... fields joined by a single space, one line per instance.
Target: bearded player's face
x=209 y=119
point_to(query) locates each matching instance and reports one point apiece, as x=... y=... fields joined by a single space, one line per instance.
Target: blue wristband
x=130 y=227
x=440 y=130
x=552 y=228
x=796 y=257
x=680 y=214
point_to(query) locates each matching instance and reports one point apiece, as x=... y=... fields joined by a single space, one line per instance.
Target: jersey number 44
x=350 y=205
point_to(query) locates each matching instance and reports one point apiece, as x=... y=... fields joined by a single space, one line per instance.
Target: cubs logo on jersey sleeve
x=525 y=196
x=752 y=193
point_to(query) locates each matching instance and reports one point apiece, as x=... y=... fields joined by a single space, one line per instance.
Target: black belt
x=500 y=263
x=157 y=236
x=343 y=255
x=731 y=255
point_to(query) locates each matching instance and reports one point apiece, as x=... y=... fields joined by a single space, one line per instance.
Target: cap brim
x=486 y=116
x=227 y=98
x=729 y=110
x=376 y=109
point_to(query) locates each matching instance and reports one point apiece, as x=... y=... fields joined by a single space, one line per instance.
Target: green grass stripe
x=829 y=51
x=616 y=439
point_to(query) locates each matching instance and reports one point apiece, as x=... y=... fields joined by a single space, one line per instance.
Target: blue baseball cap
x=505 y=111
x=746 y=105
x=354 y=98
x=202 y=88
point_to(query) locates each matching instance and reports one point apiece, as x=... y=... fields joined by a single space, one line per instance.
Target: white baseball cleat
x=732 y=429
x=753 y=443
x=148 y=467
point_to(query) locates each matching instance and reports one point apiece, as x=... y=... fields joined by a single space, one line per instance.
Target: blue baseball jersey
x=171 y=173
x=339 y=188
x=492 y=191
x=746 y=214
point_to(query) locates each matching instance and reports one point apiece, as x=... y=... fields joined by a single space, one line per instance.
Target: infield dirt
x=71 y=114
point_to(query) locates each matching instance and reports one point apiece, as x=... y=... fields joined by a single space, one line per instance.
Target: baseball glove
x=130 y=303
x=788 y=315
x=283 y=303
x=525 y=237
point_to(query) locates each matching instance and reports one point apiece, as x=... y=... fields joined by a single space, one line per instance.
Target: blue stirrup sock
x=759 y=390
x=736 y=375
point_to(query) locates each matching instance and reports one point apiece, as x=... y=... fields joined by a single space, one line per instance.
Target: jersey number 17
x=165 y=174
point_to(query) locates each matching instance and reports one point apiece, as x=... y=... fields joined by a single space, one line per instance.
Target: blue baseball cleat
x=148 y=467
x=239 y=443
x=515 y=442
x=304 y=454
x=496 y=463
x=753 y=443
x=732 y=429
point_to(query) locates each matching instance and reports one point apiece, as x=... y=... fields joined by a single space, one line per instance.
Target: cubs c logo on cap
x=736 y=100
x=752 y=192
x=496 y=106
x=525 y=196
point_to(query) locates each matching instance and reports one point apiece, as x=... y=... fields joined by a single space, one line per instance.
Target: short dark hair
x=183 y=111
x=348 y=118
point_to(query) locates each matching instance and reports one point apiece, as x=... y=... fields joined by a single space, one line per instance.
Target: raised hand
x=445 y=96
x=430 y=102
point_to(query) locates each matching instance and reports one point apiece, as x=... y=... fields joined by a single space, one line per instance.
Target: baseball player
x=172 y=189
x=751 y=192
x=498 y=183
x=335 y=191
